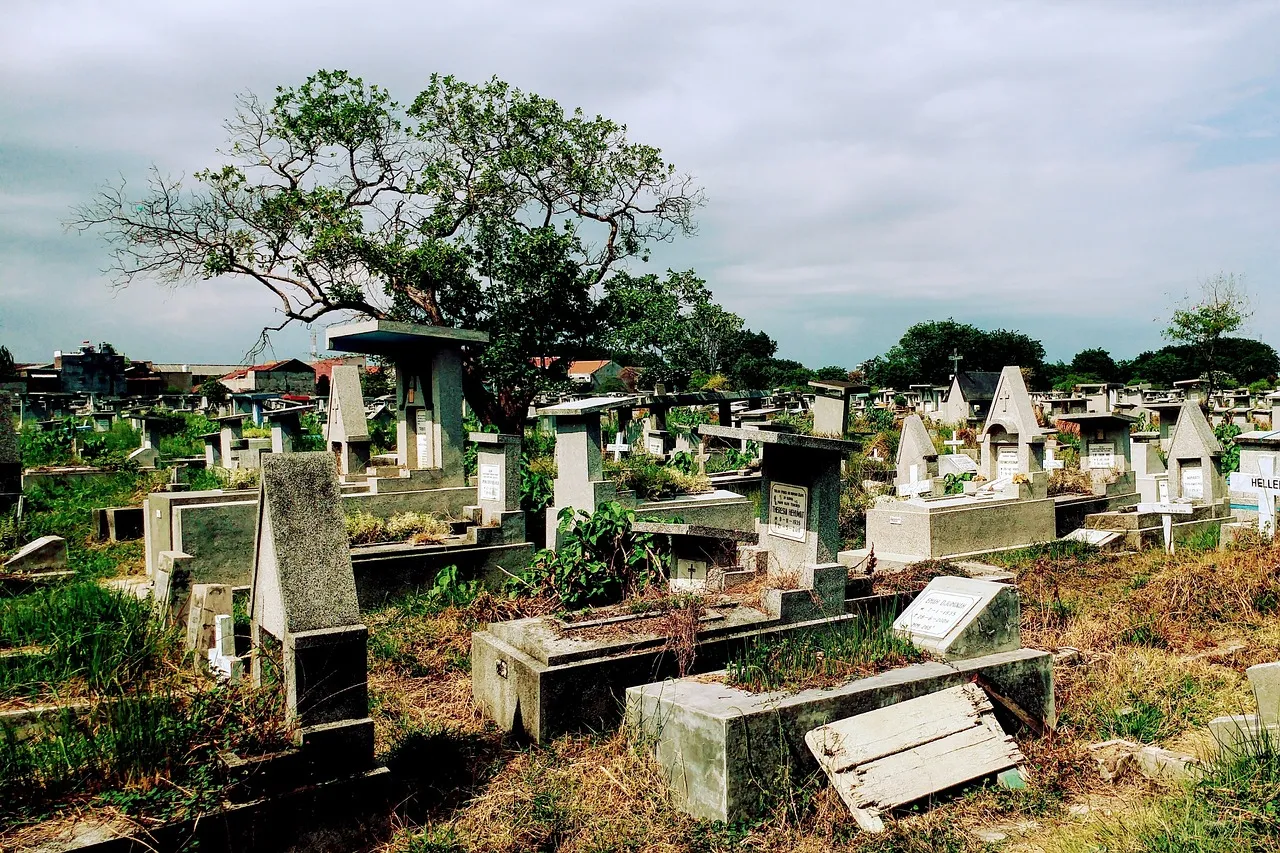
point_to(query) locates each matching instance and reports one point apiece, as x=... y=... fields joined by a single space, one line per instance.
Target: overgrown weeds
x=821 y=658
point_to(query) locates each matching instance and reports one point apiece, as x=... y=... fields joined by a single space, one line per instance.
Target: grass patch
x=653 y=481
x=88 y=636
x=859 y=648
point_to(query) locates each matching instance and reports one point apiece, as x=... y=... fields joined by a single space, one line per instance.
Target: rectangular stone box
x=720 y=746
x=332 y=674
x=527 y=677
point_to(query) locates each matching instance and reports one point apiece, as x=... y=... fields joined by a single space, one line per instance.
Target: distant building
x=594 y=374
x=91 y=371
x=289 y=376
x=182 y=378
x=324 y=370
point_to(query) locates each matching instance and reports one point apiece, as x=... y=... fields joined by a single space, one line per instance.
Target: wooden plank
x=895 y=755
x=854 y=741
x=915 y=773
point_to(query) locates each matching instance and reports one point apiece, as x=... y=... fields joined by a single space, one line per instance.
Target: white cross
x=916 y=486
x=1266 y=486
x=955 y=444
x=619 y=446
x=1051 y=460
x=1167 y=511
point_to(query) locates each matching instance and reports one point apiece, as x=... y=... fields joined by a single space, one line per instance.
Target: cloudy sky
x=1066 y=169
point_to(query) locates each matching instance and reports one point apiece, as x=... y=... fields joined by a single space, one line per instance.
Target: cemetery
x=540 y=549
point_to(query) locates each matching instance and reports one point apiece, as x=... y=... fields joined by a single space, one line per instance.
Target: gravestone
x=1195 y=459
x=347 y=431
x=960 y=618
x=1012 y=439
x=231 y=439
x=498 y=483
x=303 y=603
x=917 y=462
x=831 y=405
x=286 y=428
x=46 y=554
x=580 y=482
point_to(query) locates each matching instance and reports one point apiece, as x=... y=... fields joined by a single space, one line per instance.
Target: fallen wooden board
x=887 y=758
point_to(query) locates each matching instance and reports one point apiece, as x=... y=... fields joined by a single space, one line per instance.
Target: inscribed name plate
x=1006 y=462
x=656 y=445
x=1193 y=482
x=935 y=614
x=1102 y=455
x=490 y=482
x=788 y=511
x=422 y=428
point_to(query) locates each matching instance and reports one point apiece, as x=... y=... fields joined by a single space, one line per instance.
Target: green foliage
x=65 y=508
x=855 y=649
x=924 y=351
x=1226 y=435
x=953 y=484
x=1223 y=308
x=478 y=205
x=651 y=480
x=732 y=459
x=186 y=439
x=470 y=449
x=601 y=559
x=84 y=632
x=8 y=370
x=53 y=445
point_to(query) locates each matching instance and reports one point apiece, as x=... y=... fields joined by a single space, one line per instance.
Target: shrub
x=364 y=528
x=1070 y=481
x=653 y=481
x=601 y=559
x=418 y=527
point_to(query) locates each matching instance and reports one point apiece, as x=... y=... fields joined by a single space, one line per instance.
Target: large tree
x=923 y=355
x=478 y=204
x=1201 y=324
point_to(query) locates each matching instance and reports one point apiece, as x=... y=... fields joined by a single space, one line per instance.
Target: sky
x=1066 y=169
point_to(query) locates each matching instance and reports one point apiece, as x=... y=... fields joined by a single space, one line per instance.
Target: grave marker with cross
x=1266 y=486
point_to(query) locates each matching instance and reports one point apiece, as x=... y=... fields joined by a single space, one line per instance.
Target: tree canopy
x=479 y=205
x=923 y=354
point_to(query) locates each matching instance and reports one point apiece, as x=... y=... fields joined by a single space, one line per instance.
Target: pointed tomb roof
x=915 y=446
x=1012 y=409
x=346 y=406
x=1192 y=436
x=302 y=575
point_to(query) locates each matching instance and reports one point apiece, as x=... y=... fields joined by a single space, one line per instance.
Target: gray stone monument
x=286 y=427
x=498 y=483
x=1012 y=439
x=304 y=613
x=580 y=481
x=1195 y=459
x=917 y=462
x=831 y=405
x=428 y=368
x=347 y=431
x=959 y=618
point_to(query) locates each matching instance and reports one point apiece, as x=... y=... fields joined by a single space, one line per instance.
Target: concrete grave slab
x=46 y=554
x=1264 y=678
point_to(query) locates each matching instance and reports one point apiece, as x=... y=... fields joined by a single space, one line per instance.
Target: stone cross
x=1051 y=460
x=1167 y=511
x=955 y=360
x=954 y=443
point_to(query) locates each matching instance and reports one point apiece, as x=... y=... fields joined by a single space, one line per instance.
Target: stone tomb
x=545 y=676
x=286 y=427
x=428 y=369
x=1255 y=487
x=831 y=405
x=1191 y=498
x=580 y=482
x=303 y=610
x=1106 y=451
x=498 y=483
x=347 y=431
x=1011 y=509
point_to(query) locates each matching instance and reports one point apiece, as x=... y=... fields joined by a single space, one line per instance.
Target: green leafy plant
x=600 y=560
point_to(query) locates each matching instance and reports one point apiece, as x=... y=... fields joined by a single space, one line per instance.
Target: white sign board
x=1102 y=455
x=936 y=613
x=1167 y=508
x=422 y=429
x=1265 y=486
x=1006 y=462
x=1193 y=482
x=788 y=511
x=655 y=445
x=490 y=482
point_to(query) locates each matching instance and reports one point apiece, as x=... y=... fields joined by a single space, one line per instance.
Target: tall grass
x=82 y=633
x=857 y=648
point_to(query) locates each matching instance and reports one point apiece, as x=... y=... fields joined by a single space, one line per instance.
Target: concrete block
x=961 y=618
x=1265 y=681
x=719 y=745
x=331 y=674
x=46 y=554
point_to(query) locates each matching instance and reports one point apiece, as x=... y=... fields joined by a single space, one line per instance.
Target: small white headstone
x=959 y=618
x=490 y=482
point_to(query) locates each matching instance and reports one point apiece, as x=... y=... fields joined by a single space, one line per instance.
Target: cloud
x=1054 y=167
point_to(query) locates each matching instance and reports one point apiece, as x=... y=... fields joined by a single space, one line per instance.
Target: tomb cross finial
x=955 y=358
